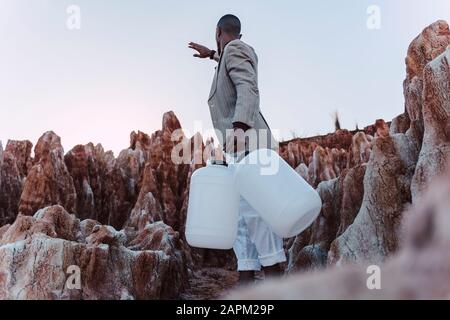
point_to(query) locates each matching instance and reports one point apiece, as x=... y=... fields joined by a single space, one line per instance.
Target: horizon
x=129 y=64
x=116 y=154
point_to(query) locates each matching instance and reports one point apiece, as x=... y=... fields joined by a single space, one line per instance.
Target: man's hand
x=235 y=140
x=203 y=52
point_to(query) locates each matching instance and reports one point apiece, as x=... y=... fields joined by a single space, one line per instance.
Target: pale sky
x=130 y=63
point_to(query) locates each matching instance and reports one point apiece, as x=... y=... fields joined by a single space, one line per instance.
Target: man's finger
x=197 y=56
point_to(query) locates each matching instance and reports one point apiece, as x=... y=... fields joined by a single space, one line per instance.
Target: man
x=234 y=107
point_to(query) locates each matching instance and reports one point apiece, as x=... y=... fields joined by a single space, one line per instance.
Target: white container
x=212 y=218
x=285 y=201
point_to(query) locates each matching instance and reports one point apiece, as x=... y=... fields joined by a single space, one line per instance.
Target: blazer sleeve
x=242 y=71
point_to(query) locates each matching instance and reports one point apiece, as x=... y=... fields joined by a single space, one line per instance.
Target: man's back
x=234 y=95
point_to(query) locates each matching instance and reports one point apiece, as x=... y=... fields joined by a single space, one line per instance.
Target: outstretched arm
x=203 y=52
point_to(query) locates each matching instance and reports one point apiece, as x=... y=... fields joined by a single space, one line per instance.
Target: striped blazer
x=234 y=95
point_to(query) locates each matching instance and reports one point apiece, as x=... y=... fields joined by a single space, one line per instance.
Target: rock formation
x=389 y=183
x=342 y=198
x=89 y=167
x=374 y=233
x=141 y=185
x=21 y=151
x=41 y=256
x=48 y=181
x=363 y=207
x=435 y=152
x=419 y=271
x=142 y=192
x=11 y=183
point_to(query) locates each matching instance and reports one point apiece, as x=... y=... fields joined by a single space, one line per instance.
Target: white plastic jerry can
x=212 y=217
x=285 y=201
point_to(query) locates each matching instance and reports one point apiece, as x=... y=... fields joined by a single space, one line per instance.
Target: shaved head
x=230 y=24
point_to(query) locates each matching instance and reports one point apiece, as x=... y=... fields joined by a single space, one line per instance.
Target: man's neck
x=226 y=41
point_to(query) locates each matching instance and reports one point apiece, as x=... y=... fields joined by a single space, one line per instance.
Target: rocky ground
x=210 y=283
x=120 y=220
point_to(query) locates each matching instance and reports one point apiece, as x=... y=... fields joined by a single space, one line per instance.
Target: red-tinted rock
x=388 y=185
x=170 y=122
x=299 y=151
x=324 y=158
x=147 y=208
x=4 y=229
x=139 y=141
x=90 y=168
x=419 y=271
x=170 y=178
x=360 y=150
x=122 y=177
x=400 y=124
x=10 y=187
x=351 y=182
x=56 y=223
x=321 y=166
x=435 y=151
x=426 y=47
x=78 y=165
x=374 y=233
x=21 y=151
x=49 y=181
x=341 y=200
x=382 y=128
x=413 y=104
x=37 y=254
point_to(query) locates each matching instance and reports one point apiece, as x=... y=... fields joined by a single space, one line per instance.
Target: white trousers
x=256 y=245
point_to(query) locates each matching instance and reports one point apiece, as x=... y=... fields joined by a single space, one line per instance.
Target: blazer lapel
x=216 y=76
